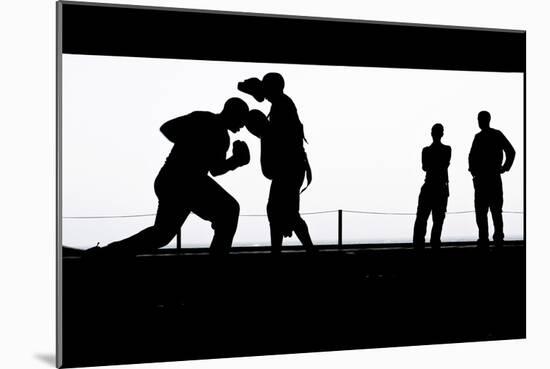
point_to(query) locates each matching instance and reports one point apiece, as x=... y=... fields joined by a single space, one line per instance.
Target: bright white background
x=27 y=152
x=366 y=128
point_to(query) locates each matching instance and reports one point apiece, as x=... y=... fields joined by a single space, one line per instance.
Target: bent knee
x=233 y=208
x=229 y=211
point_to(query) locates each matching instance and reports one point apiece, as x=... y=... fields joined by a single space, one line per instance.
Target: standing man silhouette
x=485 y=165
x=283 y=158
x=435 y=190
x=201 y=141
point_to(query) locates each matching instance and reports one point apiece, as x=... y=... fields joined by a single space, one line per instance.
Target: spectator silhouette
x=485 y=165
x=182 y=186
x=435 y=190
x=283 y=158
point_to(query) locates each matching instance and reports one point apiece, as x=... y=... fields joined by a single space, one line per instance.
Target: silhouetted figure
x=485 y=165
x=283 y=158
x=435 y=190
x=201 y=141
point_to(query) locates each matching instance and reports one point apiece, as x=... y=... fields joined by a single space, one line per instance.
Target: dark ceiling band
x=95 y=29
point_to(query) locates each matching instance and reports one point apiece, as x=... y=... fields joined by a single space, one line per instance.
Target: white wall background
x=27 y=115
x=366 y=128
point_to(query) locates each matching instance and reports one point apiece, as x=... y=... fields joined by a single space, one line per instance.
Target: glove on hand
x=241 y=154
x=253 y=87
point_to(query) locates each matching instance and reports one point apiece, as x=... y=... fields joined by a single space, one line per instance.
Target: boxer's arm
x=240 y=157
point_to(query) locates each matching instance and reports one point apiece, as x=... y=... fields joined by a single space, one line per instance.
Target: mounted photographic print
x=234 y=184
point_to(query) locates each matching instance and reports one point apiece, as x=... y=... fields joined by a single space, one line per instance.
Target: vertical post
x=178 y=241
x=340 y=227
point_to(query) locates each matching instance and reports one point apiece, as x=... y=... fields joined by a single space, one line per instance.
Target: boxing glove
x=253 y=87
x=241 y=154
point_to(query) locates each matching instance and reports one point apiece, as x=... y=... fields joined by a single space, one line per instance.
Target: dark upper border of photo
x=156 y=32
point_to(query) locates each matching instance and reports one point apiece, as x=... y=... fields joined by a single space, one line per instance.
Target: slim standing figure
x=283 y=158
x=485 y=165
x=435 y=190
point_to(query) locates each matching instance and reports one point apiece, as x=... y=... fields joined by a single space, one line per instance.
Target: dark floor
x=191 y=305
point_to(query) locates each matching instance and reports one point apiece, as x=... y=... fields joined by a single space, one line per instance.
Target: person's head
x=483 y=119
x=437 y=132
x=234 y=114
x=273 y=85
x=256 y=123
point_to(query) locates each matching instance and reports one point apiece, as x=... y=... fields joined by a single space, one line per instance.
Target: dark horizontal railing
x=340 y=213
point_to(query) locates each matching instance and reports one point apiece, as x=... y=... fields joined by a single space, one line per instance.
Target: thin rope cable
x=153 y=214
x=111 y=216
x=307 y=213
x=398 y=213
x=304 y=213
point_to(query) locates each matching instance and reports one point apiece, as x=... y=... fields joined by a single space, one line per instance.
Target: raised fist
x=241 y=154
